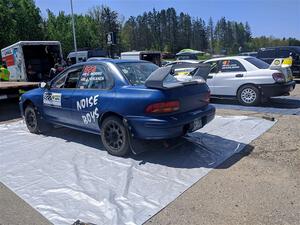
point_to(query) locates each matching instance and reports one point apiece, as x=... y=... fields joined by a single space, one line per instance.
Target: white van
x=31 y=60
x=83 y=56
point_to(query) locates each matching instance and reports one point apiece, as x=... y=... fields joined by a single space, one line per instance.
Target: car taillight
x=278 y=77
x=163 y=107
x=206 y=97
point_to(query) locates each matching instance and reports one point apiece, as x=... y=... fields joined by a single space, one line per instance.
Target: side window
x=231 y=66
x=59 y=81
x=67 y=79
x=284 y=53
x=73 y=60
x=72 y=78
x=95 y=77
x=214 y=68
x=268 y=53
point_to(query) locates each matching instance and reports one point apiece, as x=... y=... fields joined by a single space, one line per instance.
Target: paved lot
x=261 y=185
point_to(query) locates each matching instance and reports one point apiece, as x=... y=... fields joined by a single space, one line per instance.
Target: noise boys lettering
x=86 y=103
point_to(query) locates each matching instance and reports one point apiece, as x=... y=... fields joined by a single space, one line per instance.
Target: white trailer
x=151 y=56
x=82 y=56
x=37 y=56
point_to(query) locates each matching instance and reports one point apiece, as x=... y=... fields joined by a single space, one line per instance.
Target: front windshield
x=137 y=72
x=258 y=63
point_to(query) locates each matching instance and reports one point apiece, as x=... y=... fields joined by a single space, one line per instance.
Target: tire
x=249 y=95
x=33 y=121
x=114 y=136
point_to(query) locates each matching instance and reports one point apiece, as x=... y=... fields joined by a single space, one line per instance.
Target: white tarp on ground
x=66 y=175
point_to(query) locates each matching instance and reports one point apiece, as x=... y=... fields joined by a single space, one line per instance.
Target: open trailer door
x=151 y=56
x=39 y=58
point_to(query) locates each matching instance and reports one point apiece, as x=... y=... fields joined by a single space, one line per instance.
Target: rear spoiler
x=157 y=77
x=281 y=63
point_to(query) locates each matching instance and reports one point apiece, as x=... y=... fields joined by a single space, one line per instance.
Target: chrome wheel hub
x=248 y=95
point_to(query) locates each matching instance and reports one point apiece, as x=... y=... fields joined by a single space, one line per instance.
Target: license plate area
x=196 y=125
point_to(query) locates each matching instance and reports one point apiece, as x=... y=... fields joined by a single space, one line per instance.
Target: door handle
x=239 y=75
x=209 y=77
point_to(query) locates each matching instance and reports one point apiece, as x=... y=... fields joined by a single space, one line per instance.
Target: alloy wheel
x=31 y=119
x=248 y=95
x=113 y=135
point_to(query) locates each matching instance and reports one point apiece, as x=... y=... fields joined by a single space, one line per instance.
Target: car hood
x=36 y=91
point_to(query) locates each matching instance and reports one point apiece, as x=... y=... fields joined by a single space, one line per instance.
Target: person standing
x=4 y=73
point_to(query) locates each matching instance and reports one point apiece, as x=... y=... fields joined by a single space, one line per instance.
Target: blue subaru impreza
x=121 y=100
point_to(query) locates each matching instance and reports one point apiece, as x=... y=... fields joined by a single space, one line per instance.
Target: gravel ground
x=260 y=185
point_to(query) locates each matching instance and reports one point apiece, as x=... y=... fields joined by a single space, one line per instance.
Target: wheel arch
x=107 y=114
x=255 y=85
x=26 y=103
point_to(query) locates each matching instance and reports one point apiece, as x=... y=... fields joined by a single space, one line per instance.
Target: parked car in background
x=97 y=59
x=189 y=54
x=254 y=54
x=189 y=65
x=248 y=79
x=183 y=61
x=120 y=99
x=270 y=53
x=151 y=56
x=82 y=56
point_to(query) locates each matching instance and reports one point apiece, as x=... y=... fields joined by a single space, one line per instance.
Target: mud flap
x=139 y=146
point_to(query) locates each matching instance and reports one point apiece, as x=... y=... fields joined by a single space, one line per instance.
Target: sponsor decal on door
x=52 y=99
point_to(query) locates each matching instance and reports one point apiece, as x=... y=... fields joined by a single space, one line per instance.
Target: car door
x=57 y=100
x=229 y=78
x=93 y=96
x=214 y=65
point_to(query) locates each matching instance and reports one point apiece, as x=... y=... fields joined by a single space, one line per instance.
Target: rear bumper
x=272 y=90
x=296 y=70
x=165 y=127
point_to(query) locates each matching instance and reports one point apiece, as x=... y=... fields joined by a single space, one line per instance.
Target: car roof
x=186 y=60
x=231 y=57
x=283 y=47
x=109 y=60
x=241 y=54
x=96 y=58
x=140 y=52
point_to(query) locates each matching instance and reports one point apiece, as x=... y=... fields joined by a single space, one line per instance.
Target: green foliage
x=164 y=30
x=20 y=20
x=91 y=29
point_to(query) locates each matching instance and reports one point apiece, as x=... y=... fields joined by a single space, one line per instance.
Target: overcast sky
x=279 y=18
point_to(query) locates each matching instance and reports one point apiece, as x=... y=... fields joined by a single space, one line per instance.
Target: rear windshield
x=136 y=72
x=258 y=63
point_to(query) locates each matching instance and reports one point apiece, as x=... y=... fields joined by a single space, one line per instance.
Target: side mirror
x=44 y=85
